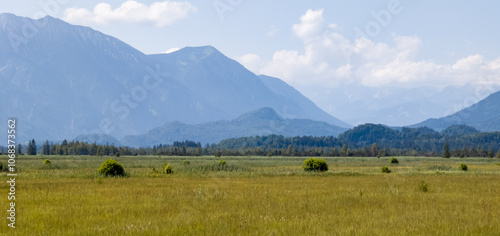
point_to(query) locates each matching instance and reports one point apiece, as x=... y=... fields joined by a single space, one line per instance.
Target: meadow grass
x=256 y=196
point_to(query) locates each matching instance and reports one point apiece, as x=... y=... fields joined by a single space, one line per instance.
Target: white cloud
x=330 y=59
x=310 y=24
x=251 y=61
x=468 y=63
x=159 y=14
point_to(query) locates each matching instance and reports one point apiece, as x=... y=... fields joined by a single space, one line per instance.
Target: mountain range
x=262 y=122
x=62 y=80
x=484 y=116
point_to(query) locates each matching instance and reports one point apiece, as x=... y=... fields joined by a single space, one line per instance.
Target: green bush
x=394 y=161
x=186 y=162
x=423 y=187
x=167 y=169
x=463 y=167
x=111 y=168
x=222 y=163
x=46 y=162
x=218 y=154
x=385 y=169
x=315 y=164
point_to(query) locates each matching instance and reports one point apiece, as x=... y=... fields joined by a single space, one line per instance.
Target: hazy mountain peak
x=265 y=113
x=196 y=54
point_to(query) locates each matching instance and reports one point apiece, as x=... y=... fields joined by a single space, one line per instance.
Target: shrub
x=394 y=161
x=218 y=154
x=186 y=162
x=315 y=164
x=111 y=168
x=463 y=167
x=167 y=169
x=153 y=173
x=1 y=166
x=222 y=163
x=117 y=154
x=46 y=162
x=423 y=187
x=385 y=169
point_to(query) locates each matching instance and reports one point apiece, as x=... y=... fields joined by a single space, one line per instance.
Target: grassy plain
x=255 y=196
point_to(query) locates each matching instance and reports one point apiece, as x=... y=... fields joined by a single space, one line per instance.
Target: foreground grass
x=261 y=196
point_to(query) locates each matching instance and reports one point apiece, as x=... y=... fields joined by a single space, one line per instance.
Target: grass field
x=255 y=196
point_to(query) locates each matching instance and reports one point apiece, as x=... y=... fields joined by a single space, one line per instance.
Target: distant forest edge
x=365 y=140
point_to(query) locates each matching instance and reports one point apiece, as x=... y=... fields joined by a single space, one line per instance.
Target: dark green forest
x=364 y=140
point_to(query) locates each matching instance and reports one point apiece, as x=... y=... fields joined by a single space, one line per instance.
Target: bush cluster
x=463 y=167
x=167 y=169
x=315 y=164
x=386 y=170
x=111 y=168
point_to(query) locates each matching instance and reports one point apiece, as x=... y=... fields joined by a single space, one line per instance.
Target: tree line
x=365 y=140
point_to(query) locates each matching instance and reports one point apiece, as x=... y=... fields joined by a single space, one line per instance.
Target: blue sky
x=313 y=45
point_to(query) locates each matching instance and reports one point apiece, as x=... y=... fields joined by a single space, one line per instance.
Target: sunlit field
x=255 y=196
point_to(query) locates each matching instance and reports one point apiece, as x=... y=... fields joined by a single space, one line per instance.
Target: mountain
x=61 y=81
x=396 y=106
x=484 y=116
x=264 y=121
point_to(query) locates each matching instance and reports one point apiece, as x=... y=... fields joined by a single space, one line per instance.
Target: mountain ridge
x=484 y=116
x=66 y=80
x=261 y=122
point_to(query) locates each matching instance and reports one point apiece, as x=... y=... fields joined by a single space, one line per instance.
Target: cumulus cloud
x=330 y=59
x=159 y=14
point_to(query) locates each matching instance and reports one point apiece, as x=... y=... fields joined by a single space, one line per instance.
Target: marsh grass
x=257 y=196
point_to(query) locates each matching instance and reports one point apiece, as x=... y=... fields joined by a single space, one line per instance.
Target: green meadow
x=254 y=196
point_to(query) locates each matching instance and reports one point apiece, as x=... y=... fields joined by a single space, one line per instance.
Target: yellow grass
x=353 y=198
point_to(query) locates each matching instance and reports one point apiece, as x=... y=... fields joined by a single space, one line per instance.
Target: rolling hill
x=264 y=121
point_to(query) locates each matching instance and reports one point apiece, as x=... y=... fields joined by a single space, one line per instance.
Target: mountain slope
x=264 y=121
x=484 y=116
x=303 y=106
x=62 y=81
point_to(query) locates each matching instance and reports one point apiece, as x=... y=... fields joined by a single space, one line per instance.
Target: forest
x=364 y=140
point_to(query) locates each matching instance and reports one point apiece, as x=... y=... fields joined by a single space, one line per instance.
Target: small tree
x=446 y=150
x=394 y=160
x=491 y=153
x=31 y=148
x=19 y=150
x=386 y=170
x=374 y=149
x=315 y=164
x=111 y=168
x=464 y=152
